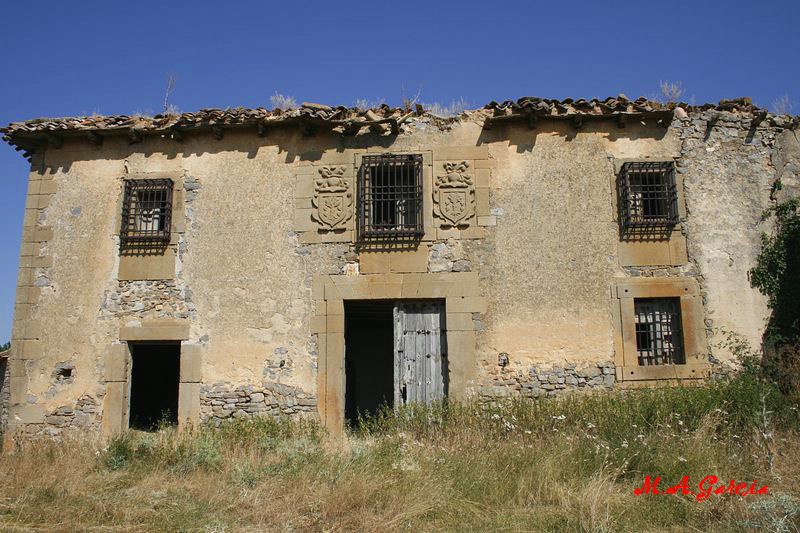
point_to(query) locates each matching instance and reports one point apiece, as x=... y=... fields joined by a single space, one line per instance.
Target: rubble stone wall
x=221 y=401
x=5 y=394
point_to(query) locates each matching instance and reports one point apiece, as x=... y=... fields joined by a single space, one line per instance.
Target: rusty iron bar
x=659 y=337
x=390 y=196
x=146 y=215
x=648 y=196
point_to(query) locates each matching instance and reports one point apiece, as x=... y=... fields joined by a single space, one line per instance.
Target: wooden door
x=420 y=355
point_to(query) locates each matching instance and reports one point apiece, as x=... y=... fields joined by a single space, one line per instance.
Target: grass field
x=562 y=464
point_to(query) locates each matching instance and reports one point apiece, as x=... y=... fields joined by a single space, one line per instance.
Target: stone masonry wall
x=547 y=381
x=219 y=401
x=5 y=394
x=727 y=164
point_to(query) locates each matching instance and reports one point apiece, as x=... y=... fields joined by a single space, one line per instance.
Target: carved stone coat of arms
x=454 y=194
x=333 y=198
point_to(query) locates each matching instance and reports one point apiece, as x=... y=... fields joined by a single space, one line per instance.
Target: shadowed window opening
x=648 y=197
x=155 y=374
x=659 y=339
x=390 y=197
x=369 y=357
x=146 y=215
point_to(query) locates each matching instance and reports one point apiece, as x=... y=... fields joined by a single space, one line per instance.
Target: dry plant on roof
x=281 y=101
x=671 y=91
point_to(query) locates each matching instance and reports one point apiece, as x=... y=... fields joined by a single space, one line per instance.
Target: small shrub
x=671 y=91
x=281 y=101
x=775 y=276
x=244 y=474
x=119 y=452
x=779 y=514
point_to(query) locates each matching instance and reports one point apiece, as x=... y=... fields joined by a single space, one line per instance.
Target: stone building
x=5 y=393
x=325 y=260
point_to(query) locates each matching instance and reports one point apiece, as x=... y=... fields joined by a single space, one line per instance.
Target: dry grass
x=782 y=105
x=282 y=101
x=671 y=91
x=553 y=465
x=453 y=109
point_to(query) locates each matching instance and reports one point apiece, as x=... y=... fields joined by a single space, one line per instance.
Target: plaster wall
x=546 y=257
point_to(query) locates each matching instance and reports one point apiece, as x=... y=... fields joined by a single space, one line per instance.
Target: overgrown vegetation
x=561 y=464
x=6 y=346
x=782 y=105
x=671 y=91
x=453 y=109
x=366 y=103
x=776 y=276
x=170 y=109
x=282 y=102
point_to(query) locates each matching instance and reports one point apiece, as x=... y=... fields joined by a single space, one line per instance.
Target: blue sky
x=83 y=57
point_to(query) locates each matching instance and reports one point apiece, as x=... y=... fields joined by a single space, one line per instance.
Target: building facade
x=325 y=260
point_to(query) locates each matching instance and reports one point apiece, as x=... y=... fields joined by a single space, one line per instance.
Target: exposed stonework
x=148 y=299
x=448 y=256
x=727 y=165
x=83 y=415
x=538 y=381
x=220 y=401
x=5 y=393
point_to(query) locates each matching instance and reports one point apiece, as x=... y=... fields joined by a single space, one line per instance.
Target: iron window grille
x=648 y=196
x=390 y=197
x=146 y=214
x=659 y=338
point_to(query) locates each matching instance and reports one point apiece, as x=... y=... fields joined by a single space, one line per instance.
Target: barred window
x=390 y=196
x=659 y=336
x=648 y=197
x=146 y=214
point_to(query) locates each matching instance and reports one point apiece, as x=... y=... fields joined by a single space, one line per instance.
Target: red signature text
x=707 y=486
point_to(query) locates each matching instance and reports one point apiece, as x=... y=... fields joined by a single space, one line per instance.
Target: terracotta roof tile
x=25 y=136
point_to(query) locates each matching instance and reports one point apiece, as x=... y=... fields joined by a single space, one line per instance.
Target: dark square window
x=659 y=337
x=648 y=197
x=390 y=197
x=146 y=214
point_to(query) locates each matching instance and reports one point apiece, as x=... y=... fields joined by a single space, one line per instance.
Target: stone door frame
x=460 y=293
x=116 y=403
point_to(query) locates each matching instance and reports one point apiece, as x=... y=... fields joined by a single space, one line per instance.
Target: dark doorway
x=155 y=374
x=369 y=357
